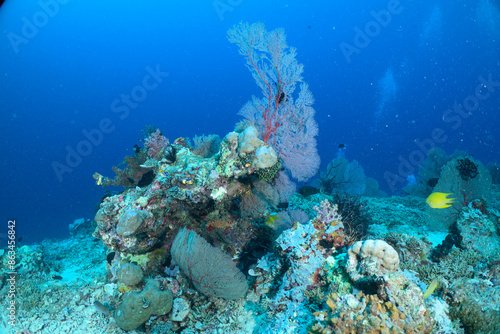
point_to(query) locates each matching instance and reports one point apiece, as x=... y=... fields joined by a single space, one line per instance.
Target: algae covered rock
x=137 y=307
x=129 y=274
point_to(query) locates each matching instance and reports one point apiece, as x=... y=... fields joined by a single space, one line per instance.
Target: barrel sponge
x=137 y=307
x=371 y=257
x=129 y=274
x=130 y=221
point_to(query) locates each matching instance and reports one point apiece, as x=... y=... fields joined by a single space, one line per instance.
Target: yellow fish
x=272 y=221
x=98 y=177
x=430 y=289
x=440 y=200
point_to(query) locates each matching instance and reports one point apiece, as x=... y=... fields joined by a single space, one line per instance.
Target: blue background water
x=63 y=77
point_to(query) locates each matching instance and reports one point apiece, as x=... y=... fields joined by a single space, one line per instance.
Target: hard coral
x=362 y=314
x=368 y=264
x=137 y=307
x=129 y=274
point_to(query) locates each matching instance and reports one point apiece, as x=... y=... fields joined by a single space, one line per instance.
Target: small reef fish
x=187 y=181
x=98 y=178
x=431 y=288
x=101 y=308
x=439 y=200
x=273 y=221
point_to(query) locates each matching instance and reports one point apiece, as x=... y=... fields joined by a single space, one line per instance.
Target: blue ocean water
x=379 y=83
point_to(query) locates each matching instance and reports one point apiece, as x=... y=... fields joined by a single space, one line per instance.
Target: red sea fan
x=284 y=120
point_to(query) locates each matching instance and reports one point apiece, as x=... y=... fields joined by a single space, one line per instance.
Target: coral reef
x=476 y=303
x=309 y=282
x=477 y=231
x=369 y=314
x=388 y=302
x=193 y=189
x=212 y=238
x=30 y=260
x=354 y=215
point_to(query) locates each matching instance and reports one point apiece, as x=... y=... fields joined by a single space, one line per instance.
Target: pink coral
x=155 y=143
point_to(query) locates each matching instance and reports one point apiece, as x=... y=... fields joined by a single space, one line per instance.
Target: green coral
x=266 y=174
